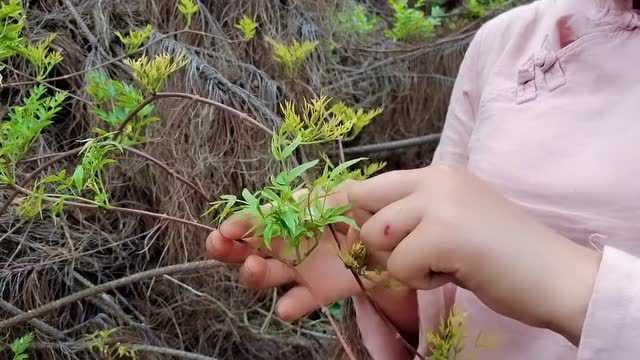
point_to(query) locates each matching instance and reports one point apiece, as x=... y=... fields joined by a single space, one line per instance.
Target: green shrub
x=356 y=19
x=410 y=23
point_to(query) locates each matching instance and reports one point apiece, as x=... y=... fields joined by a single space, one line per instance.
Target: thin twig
x=204 y=100
x=391 y=145
x=81 y=205
x=37 y=172
x=128 y=280
x=378 y=309
x=168 y=351
x=166 y=168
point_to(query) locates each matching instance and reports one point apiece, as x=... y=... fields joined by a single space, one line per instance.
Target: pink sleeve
x=376 y=336
x=612 y=326
x=463 y=108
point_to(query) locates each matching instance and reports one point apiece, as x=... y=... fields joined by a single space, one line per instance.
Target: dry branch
x=131 y=279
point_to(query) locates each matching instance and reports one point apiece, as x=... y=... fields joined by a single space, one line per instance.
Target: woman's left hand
x=446 y=225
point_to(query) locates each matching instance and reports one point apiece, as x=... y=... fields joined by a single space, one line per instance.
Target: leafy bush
x=409 y=23
x=479 y=8
x=247 y=27
x=356 y=19
x=12 y=20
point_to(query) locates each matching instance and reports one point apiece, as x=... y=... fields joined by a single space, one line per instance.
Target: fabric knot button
x=546 y=60
x=525 y=74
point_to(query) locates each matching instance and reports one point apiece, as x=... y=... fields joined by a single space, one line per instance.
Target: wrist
x=576 y=288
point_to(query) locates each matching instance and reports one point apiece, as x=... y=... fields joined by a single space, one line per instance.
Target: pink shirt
x=546 y=108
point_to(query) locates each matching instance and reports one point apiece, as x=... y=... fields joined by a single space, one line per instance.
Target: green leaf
x=300 y=169
x=343 y=219
x=78 y=178
x=21 y=345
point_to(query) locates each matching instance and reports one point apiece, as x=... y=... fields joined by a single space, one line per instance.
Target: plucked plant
x=291 y=206
x=291 y=57
x=248 y=27
x=135 y=38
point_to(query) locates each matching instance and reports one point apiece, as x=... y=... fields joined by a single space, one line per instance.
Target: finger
x=295 y=303
x=379 y=191
x=260 y=273
x=386 y=228
x=227 y=250
x=422 y=260
x=237 y=226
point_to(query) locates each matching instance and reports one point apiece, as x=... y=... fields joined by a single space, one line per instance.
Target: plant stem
x=163 y=95
x=166 y=168
x=144 y=275
x=121 y=210
x=377 y=308
x=37 y=172
x=204 y=100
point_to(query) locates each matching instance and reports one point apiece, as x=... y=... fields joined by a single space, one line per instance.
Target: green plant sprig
x=248 y=27
x=290 y=207
x=135 y=38
x=26 y=122
x=187 y=8
x=356 y=19
x=152 y=74
x=411 y=23
x=20 y=347
x=41 y=56
x=12 y=20
x=291 y=57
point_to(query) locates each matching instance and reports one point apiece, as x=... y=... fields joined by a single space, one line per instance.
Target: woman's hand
x=321 y=277
x=445 y=225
